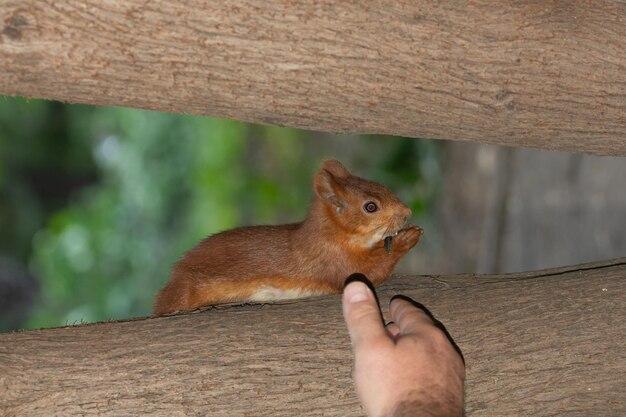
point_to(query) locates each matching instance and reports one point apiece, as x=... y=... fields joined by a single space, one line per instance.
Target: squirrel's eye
x=370 y=207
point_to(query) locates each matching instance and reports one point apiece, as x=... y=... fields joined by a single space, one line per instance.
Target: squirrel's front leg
x=385 y=257
x=399 y=244
x=405 y=240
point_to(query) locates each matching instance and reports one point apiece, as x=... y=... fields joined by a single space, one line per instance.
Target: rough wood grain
x=548 y=74
x=536 y=344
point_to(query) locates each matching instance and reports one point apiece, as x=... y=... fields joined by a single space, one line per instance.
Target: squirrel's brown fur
x=263 y=263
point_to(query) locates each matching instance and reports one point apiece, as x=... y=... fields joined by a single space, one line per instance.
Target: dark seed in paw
x=388 y=242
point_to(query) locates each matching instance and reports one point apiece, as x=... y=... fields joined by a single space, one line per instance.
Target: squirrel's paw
x=408 y=237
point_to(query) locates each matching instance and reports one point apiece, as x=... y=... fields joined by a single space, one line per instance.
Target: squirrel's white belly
x=276 y=294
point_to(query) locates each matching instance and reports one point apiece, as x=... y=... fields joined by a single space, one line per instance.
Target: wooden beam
x=542 y=74
x=540 y=343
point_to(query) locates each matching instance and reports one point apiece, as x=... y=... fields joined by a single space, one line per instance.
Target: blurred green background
x=97 y=203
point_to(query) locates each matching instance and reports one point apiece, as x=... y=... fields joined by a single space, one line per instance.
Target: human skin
x=407 y=368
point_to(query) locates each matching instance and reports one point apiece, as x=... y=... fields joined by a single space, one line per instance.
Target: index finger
x=409 y=318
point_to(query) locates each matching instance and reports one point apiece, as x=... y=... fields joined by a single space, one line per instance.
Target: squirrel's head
x=364 y=209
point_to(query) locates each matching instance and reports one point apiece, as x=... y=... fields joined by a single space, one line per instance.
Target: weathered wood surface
x=536 y=344
x=546 y=74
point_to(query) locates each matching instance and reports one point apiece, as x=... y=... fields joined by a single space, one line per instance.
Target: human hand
x=410 y=367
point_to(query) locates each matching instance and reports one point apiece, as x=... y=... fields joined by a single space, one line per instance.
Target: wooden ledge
x=537 y=343
x=538 y=74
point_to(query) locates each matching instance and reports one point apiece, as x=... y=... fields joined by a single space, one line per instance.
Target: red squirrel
x=353 y=225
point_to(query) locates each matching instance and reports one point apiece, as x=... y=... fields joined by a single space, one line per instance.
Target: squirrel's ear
x=327 y=188
x=336 y=168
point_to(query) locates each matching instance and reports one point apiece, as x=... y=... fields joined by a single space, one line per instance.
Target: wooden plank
x=538 y=343
x=542 y=74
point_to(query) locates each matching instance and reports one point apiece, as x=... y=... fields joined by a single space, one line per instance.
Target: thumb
x=362 y=314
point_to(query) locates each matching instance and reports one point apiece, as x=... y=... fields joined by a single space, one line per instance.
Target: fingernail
x=356 y=292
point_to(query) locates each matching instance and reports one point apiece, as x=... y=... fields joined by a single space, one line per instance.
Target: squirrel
x=353 y=225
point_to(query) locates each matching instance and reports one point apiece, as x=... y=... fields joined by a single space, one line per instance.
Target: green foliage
x=139 y=188
x=165 y=182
